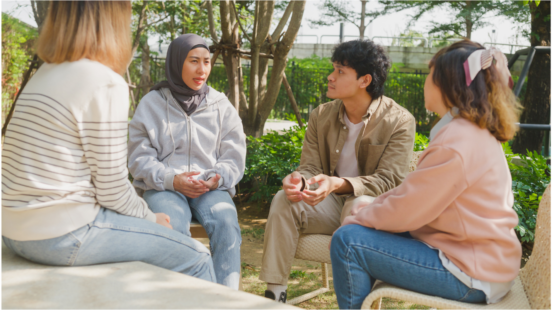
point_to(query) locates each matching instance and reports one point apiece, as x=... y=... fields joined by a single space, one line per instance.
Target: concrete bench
x=115 y=286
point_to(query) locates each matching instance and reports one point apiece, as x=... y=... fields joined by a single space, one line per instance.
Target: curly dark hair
x=366 y=57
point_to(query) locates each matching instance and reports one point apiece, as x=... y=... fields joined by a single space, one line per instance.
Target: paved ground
x=278 y=125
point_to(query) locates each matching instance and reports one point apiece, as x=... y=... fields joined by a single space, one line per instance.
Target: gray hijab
x=188 y=98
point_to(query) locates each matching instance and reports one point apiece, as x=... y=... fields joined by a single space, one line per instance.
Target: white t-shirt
x=347 y=165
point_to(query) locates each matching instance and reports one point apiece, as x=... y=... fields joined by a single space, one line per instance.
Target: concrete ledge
x=115 y=286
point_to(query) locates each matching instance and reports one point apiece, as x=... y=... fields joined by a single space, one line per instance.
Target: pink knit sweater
x=458 y=200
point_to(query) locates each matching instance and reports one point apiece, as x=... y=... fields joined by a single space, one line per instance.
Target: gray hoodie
x=164 y=141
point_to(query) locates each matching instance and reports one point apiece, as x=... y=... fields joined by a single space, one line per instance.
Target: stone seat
x=134 y=285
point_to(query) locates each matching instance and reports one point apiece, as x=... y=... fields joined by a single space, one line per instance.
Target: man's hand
x=187 y=186
x=326 y=185
x=292 y=186
x=163 y=220
x=212 y=183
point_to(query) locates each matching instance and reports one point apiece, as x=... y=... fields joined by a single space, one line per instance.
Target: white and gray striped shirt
x=65 y=152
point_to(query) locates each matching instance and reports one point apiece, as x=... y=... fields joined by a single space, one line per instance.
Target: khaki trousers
x=288 y=220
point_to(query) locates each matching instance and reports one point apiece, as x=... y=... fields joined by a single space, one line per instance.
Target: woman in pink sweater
x=448 y=229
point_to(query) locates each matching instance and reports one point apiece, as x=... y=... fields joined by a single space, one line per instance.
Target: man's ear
x=365 y=81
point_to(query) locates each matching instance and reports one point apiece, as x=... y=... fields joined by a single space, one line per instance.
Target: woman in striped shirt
x=66 y=197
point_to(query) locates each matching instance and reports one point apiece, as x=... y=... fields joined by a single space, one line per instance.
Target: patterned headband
x=481 y=60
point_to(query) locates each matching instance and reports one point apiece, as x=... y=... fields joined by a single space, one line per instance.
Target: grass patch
x=257 y=233
x=390 y=303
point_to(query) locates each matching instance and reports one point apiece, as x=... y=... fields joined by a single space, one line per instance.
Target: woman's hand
x=163 y=220
x=187 y=186
x=212 y=183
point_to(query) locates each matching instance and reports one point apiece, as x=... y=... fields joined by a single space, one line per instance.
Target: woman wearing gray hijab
x=187 y=153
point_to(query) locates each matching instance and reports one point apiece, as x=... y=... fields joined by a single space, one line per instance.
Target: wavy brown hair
x=487 y=102
x=97 y=30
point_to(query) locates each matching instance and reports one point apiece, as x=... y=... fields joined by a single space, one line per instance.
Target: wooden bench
x=197 y=230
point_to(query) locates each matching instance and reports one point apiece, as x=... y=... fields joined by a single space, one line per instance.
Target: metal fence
x=309 y=86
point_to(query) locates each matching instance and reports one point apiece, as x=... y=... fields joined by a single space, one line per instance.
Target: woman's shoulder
x=466 y=138
x=91 y=73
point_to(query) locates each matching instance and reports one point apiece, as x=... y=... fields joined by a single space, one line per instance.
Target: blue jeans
x=113 y=238
x=360 y=255
x=216 y=212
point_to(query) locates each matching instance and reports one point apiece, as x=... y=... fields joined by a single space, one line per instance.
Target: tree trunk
x=278 y=66
x=264 y=10
x=40 y=10
x=469 y=22
x=536 y=103
x=145 y=78
x=362 y=27
x=142 y=21
x=231 y=60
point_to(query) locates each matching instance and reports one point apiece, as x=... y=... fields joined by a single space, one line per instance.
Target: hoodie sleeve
x=143 y=162
x=231 y=161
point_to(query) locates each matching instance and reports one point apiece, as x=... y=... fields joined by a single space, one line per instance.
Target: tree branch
x=283 y=21
x=211 y=18
x=155 y=22
x=239 y=22
x=140 y=27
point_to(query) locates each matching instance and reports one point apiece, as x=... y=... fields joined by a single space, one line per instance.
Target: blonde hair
x=97 y=30
x=487 y=102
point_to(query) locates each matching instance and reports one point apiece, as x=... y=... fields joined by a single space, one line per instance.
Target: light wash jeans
x=360 y=255
x=113 y=238
x=216 y=212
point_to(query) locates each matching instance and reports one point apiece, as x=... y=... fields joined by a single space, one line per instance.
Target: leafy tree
x=536 y=102
x=342 y=12
x=264 y=45
x=465 y=16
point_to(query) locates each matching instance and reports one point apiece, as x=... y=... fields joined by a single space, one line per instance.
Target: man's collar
x=371 y=109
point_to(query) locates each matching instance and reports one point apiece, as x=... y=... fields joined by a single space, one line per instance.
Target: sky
x=386 y=26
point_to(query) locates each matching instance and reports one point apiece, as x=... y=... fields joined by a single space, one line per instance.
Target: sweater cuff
x=150 y=216
x=168 y=182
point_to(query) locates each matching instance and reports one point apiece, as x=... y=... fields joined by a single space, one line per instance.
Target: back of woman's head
x=97 y=30
x=488 y=101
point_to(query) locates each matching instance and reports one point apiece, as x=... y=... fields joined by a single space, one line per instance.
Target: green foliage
x=257 y=233
x=460 y=14
x=529 y=180
x=407 y=89
x=271 y=158
x=420 y=142
x=297 y=274
x=17 y=51
x=312 y=62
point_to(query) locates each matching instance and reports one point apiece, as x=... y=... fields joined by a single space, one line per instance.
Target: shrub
x=529 y=180
x=17 y=50
x=420 y=142
x=269 y=160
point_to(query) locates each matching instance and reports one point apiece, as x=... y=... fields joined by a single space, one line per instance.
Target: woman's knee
x=346 y=235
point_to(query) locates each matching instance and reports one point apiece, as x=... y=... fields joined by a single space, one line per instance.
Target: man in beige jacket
x=356 y=147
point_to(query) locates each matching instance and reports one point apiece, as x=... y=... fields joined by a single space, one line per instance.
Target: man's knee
x=281 y=206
